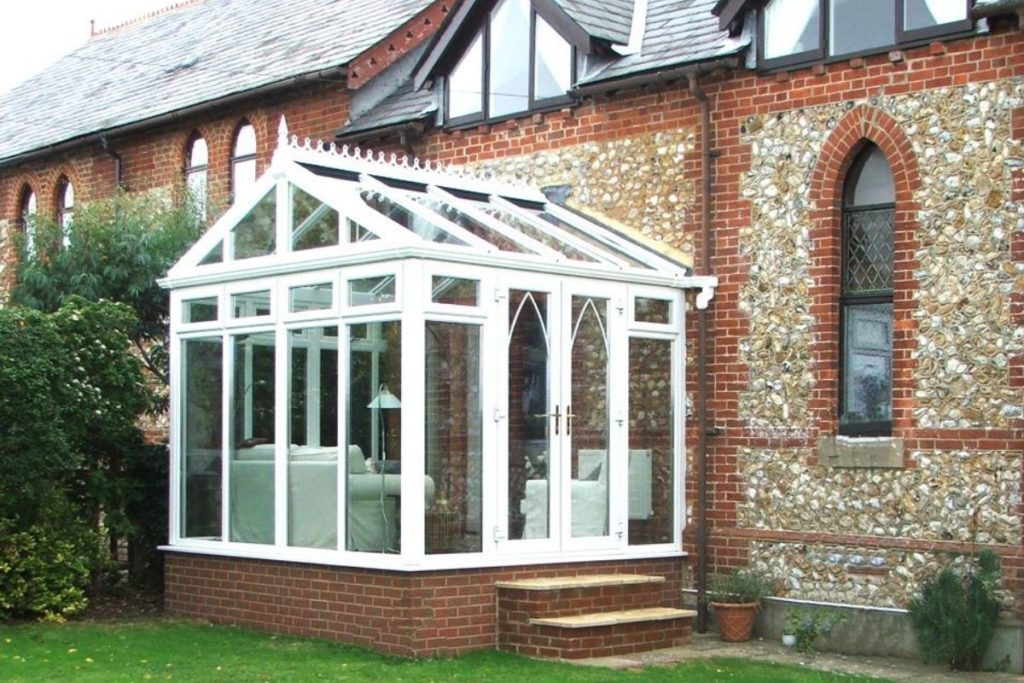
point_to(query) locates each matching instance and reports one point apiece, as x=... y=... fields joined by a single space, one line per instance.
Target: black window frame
x=533 y=104
x=847 y=299
x=902 y=38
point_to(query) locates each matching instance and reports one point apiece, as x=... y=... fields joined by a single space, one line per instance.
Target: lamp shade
x=384 y=399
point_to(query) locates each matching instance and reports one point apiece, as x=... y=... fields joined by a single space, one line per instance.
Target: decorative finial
x=282 y=133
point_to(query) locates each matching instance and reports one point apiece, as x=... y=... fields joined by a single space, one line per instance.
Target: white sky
x=36 y=33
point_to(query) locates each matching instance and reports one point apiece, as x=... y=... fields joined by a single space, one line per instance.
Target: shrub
x=808 y=623
x=741 y=586
x=955 y=616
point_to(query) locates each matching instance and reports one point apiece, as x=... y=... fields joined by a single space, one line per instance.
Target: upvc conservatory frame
x=618 y=272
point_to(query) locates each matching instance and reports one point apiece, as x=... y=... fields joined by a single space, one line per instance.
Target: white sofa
x=589 y=501
x=374 y=499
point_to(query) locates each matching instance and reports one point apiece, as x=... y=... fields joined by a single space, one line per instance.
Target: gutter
x=173 y=116
x=704 y=266
x=993 y=9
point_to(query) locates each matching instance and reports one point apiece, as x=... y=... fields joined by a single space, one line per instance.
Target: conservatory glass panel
x=371 y=290
x=529 y=404
x=255 y=234
x=536 y=233
x=315 y=297
x=454 y=291
x=250 y=304
x=202 y=371
x=468 y=223
x=587 y=238
x=587 y=416
x=314 y=224
x=374 y=452
x=648 y=310
x=313 y=445
x=652 y=425
x=215 y=255
x=202 y=310
x=251 y=506
x=453 y=438
x=423 y=227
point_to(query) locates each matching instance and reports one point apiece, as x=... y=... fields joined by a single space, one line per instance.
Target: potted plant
x=736 y=598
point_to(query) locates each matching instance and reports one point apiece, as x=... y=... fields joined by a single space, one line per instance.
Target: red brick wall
x=435 y=613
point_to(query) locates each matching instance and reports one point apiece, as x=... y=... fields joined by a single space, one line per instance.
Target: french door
x=562 y=416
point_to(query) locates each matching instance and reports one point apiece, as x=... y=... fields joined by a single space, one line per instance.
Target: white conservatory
x=390 y=365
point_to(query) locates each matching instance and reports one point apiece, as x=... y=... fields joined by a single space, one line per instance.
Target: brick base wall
x=421 y=614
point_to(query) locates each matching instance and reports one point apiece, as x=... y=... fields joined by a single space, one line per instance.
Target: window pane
x=245 y=141
x=651 y=441
x=316 y=297
x=647 y=310
x=542 y=236
x=371 y=290
x=861 y=25
x=250 y=304
x=314 y=224
x=552 y=73
x=313 y=449
x=791 y=27
x=243 y=176
x=201 y=438
x=871 y=180
x=255 y=234
x=509 y=76
x=529 y=392
x=198 y=154
x=199 y=310
x=589 y=239
x=251 y=506
x=928 y=13
x=196 y=182
x=374 y=452
x=465 y=84
x=423 y=227
x=868 y=254
x=454 y=291
x=454 y=439
x=867 y=364
x=215 y=255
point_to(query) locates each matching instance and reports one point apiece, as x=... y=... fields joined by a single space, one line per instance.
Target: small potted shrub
x=736 y=598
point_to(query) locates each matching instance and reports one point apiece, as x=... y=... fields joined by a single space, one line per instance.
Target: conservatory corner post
x=413 y=413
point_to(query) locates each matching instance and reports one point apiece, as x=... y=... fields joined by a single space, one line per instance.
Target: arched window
x=869 y=196
x=195 y=172
x=26 y=217
x=65 y=207
x=243 y=160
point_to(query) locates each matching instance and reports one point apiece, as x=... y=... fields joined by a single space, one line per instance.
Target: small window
x=867 y=297
x=202 y=310
x=791 y=29
x=371 y=290
x=250 y=304
x=466 y=82
x=859 y=25
x=655 y=311
x=65 y=207
x=195 y=173
x=315 y=297
x=26 y=218
x=454 y=291
x=243 y=160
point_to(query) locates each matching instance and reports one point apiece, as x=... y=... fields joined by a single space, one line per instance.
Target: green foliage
x=955 y=616
x=741 y=586
x=117 y=249
x=44 y=567
x=808 y=623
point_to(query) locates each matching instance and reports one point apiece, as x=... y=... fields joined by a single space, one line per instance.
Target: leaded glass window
x=867 y=296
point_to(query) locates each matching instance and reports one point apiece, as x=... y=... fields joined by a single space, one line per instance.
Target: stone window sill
x=845 y=451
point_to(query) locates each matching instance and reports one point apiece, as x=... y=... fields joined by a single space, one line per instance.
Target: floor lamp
x=384 y=400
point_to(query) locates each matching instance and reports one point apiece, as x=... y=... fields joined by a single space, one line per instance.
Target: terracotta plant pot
x=736 y=620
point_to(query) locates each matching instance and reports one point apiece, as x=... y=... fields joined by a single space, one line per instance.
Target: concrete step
x=584 y=581
x=630 y=616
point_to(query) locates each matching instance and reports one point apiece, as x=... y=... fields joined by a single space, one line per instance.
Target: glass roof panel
x=255 y=234
x=470 y=224
x=407 y=219
x=586 y=237
x=314 y=224
x=545 y=238
x=215 y=255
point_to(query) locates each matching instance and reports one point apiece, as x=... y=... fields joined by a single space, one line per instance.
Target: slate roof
x=186 y=57
x=405 y=105
x=677 y=33
x=608 y=19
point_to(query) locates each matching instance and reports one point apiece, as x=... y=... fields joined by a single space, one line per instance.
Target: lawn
x=158 y=649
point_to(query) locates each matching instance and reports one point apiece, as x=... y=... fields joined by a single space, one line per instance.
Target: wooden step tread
x=628 y=616
x=554 y=583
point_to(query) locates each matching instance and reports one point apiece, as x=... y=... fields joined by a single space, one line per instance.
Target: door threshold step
x=555 y=583
x=629 y=616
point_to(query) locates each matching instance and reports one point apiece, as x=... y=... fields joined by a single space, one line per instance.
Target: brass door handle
x=569 y=415
x=557 y=415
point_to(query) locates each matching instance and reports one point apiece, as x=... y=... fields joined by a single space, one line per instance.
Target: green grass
x=156 y=649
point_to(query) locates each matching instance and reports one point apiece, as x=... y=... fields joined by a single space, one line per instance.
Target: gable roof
x=188 y=57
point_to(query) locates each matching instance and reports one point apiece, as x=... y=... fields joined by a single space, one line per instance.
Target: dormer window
x=516 y=62
x=794 y=32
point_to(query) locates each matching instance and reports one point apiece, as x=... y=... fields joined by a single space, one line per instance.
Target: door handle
x=557 y=415
x=569 y=415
